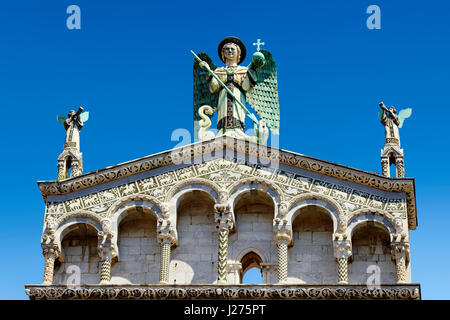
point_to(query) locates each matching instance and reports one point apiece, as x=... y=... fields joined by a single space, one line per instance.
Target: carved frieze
x=227 y=172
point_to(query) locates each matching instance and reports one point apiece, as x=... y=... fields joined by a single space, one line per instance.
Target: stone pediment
x=226 y=163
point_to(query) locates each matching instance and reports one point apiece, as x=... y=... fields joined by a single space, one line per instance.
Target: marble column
x=342 y=252
x=224 y=223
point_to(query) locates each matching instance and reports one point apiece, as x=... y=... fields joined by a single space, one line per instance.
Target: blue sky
x=130 y=66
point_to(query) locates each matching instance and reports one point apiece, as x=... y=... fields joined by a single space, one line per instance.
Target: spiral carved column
x=105 y=275
x=224 y=222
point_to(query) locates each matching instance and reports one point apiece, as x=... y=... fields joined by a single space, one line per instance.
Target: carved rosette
x=224 y=223
x=400 y=253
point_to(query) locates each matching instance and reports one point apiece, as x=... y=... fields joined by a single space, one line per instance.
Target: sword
x=251 y=115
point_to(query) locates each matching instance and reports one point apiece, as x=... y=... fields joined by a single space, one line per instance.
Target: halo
x=236 y=41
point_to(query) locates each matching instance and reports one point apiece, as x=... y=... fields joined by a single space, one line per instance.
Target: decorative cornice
x=261 y=152
x=332 y=291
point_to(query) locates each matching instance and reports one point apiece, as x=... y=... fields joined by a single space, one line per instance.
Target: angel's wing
x=264 y=95
x=404 y=114
x=380 y=113
x=61 y=119
x=202 y=95
x=84 y=116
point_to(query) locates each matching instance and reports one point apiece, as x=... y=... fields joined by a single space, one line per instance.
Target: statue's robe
x=391 y=123
x=230 y=115
x=73 y=128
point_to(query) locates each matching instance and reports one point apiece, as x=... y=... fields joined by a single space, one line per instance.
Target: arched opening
x=68 y=166
x=192 y=261
x=311 y=259
x=81 y=260
x=371 y=254
x=251 y=272
x=138 y=248
x=254 y=212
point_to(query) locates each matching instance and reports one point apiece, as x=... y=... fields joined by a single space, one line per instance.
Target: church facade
x=189 y=222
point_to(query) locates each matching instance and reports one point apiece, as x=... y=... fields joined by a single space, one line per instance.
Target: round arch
x=239 y=189
x=330 y=206
x=362 y=220
x=69 y=224
x=189 y=185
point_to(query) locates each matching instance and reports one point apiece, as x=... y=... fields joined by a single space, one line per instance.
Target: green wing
x=380 y=113
x=404 y=114
x=61 y=119
x=264 y=95
x=202 y=95
x=84 y=116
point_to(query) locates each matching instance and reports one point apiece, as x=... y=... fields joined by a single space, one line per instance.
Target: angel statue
x=73 y=124
x=226 y=90
x=392 y=122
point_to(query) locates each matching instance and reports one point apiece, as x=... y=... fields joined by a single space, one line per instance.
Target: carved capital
x=166 y=232
x=282 y=230
x=399 y=249
x=50 y=249
x=223 y=216
x=342 y=246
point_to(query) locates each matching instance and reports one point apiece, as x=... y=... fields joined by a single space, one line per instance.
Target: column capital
x=223 y=216
x=342 y=246
x=400 y=249
x=50 y=249
x=166 y=232
x=282 y=230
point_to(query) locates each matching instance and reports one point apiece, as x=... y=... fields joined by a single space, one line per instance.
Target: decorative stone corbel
x=283 y=237
x=167 y=236
x=342 y=246
x=283 y=209
x=224 y=223
x=165 y=210
x=223 y=196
